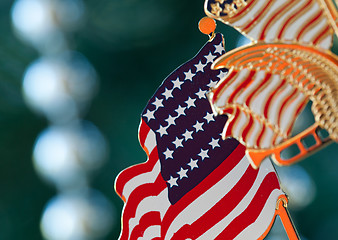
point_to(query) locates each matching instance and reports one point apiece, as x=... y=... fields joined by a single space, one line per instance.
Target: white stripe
x=240 y=124
x=258 y=79
x=238 y=79
x=257 y=30
x=276 y=103
x=207 y=200
x=258 y=104
x=275 y=29
x=315 y=30
x=159 y=203
x=291 y=108
x=150 y=141
x=151 y=233
x=267 y=137
x=326 y=43
x=255 y=230
x=248 y=16
x=147 y=177
x=253 y=134
x=213 y=232
x=298 y=24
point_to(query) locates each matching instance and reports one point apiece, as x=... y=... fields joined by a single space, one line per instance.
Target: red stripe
x=133 y=171
x=259 y=139
x=221 y=209
x=229 y=110
x=141 y=192
x=147 y=220
x=143 y=132
x=247 y=128
x=222 y=170
x=284 y=104
x=267 y=77
x=299 y=109
x=241 y=86
x=222 y=85
x=258 y=16
x=251 y=213
x=267 y=105
x=275 y=16
x=309 y=24
x=244 y=10
x=321 y=35
x=231 y=124
x=291 y=19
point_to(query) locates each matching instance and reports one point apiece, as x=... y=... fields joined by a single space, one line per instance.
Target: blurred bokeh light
x=42 y=22
x=73 y=216
x=64 y=155
x=60 y=88
x=298 y=185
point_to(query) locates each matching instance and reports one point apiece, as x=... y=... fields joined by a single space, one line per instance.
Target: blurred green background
x=133 y=45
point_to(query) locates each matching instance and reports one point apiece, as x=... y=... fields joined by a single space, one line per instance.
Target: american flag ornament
x=195 y=185
x=287 y=64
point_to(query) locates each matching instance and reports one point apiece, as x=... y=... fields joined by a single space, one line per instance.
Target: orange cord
x=286 y=220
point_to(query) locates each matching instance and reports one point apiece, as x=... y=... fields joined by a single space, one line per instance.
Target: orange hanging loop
x=207 y=26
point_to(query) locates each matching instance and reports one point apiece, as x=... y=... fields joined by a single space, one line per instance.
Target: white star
x=177 y=83
x=200 y=67
x=162 y=130
x=210 y=58
x=209 y=117
x=189 y=75
x=219 y=48
x=167 y=93
x=187 y=135
x=190 y=102
x=172 y=181
x=193 y=164
x=171 y=120
x=183 y=173
x=149 y=115
x=198 y=126
x=214 y=143
x=212 y=84
x=221 y=75
x=180 y=111
x=158 y=103
x=168 y=153
x=201 y=93
x=204 y=154
x=178 y=142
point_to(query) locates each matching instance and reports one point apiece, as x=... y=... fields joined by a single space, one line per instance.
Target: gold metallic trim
x=256 y=156
x=331 y=13
x=310 y=70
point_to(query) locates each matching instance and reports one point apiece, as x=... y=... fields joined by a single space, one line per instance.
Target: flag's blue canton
x=188 y=134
